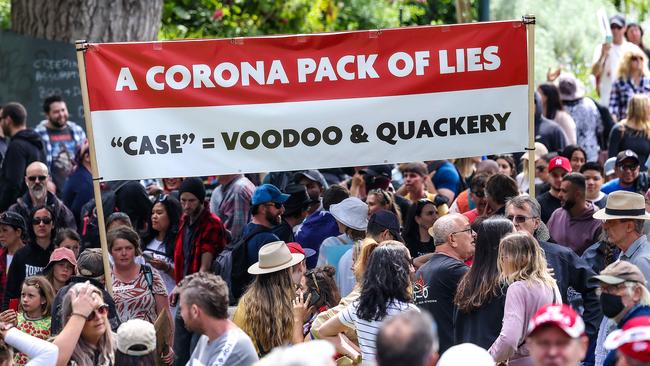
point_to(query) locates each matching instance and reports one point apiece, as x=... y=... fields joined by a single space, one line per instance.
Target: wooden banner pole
x=81 y=47
x=529 y=21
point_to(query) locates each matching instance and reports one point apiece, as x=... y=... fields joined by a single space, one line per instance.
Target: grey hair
x=645 y=294
x=524 y=202
x=638 y=226
x=409 y=338
x=443 y=227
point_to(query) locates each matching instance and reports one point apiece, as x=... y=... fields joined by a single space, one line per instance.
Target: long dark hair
x=386 y=280
x=570 y=149
x=481 y=283
x=123 y=359
x=411 y=227
x=173 y=209
x=553 y=102
x=30 y=229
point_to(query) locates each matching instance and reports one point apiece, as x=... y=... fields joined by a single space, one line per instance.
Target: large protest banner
x=204 y=107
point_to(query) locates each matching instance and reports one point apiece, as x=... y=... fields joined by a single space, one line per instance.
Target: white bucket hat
x=274 y=257
x=351 y=212
x=623 y=205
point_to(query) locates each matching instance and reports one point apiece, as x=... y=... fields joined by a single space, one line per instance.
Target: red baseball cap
x=633 y=340
x=560 y=162
x=561 y=316
x=296 y=248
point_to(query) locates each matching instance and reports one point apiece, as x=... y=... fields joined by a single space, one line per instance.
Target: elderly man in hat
x=623 y=296
x=628 y=174
x=623 y=219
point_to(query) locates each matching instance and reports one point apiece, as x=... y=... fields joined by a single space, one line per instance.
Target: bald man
x=37 y=178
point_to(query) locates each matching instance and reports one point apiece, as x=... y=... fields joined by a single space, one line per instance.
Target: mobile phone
x=315 y=297
x=13 y=304
x=147 y=256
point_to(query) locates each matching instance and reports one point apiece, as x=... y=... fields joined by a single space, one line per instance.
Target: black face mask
x=612 y=305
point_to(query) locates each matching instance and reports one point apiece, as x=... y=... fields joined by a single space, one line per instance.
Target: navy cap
x=268 y=193
x=386 y=220
x=13 y=219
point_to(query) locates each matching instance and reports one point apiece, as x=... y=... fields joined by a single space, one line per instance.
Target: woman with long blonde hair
x=633 y=132
x=633 y=78
x=522 y=266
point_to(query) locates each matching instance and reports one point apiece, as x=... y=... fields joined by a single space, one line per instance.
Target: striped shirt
x=367 y=330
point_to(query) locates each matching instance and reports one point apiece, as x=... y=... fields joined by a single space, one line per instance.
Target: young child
x=34 y=316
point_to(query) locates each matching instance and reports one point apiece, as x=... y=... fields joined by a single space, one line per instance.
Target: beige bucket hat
x=274 y=257
x=623 y=205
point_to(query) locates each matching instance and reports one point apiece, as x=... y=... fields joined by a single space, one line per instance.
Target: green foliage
x=5 y=14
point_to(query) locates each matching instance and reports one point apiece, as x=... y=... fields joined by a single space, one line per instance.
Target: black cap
x=627 y=155
x=194 y=186
x=386 y=220
x=298 y=198
x=13 y=219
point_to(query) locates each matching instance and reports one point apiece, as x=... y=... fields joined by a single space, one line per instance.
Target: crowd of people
x=390 y=264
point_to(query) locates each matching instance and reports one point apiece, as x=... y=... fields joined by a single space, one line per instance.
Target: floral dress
x=39 y=328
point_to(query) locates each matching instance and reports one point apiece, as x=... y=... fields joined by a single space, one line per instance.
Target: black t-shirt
x=418 y=248
x=549 y=204
x=434 y=291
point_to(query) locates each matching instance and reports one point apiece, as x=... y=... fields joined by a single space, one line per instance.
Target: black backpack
x=231 y=265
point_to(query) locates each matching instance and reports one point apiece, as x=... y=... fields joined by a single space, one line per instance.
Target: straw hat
x=274 y=257
x=623 y=205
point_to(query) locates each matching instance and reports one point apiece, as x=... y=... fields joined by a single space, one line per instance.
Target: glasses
x=101 y=311
x=39 y=220
x=636 y=58
x=630 y=167
x=540 y=168
x=277 y=205
x=519 y=219
x=468 y=230
x=611 y=289
x=41 y=178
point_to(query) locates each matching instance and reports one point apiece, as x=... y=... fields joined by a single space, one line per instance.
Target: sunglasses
x=540 y=168
x=277 y=205
x=33 y=178
x=101 y=310
x=519 y=219
x=636 y=58
x=39 y=220
x=630 y=167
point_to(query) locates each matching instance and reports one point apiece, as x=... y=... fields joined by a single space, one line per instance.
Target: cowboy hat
x=274 y=257
x=623 y=205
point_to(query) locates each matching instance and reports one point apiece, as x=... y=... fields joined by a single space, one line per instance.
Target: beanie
x=193 y=186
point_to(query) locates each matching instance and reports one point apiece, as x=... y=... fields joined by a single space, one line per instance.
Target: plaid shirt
x=622 y=92
x=210 y=237
x=78 y=135
x=232 y=204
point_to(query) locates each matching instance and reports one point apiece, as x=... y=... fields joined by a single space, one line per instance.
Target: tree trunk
x=92 y=20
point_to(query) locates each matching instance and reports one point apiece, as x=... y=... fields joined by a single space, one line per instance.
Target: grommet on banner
x=301 y=39
x=445 y=29
x=374 y=33
x=157 y=46
x=237 y=41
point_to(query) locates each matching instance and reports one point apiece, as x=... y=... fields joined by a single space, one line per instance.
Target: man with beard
x=25 y=147
x=573 y=224
x=62 y=139
x=267 y=207
x=36 y=177
x=628 y=175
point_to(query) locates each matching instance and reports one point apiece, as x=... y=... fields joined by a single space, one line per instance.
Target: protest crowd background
x=447 y=262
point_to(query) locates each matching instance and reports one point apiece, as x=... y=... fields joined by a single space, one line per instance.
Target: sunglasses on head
x=33 y=178
x=101 y=310
x=39 y=220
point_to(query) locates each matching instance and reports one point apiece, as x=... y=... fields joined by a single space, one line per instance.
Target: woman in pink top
x=523 y=266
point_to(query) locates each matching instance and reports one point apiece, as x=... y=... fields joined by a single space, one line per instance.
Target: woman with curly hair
x=576 y=155
x=320 y=284
x=481 y=294
x=633 y=78
x=522 y=266
x=269 y=311
x=385 y=291
x=633 y=132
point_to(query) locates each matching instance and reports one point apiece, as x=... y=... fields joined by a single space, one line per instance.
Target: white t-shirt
x=367 y=330
x=233 y=348
x=155 y=247
x=610 y=70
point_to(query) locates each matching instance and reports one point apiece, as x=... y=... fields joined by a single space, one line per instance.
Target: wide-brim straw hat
x=274 y=257
x=623 y=205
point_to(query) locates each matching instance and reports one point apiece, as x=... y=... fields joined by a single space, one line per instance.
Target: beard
x=38 y=191
x=273 y=219
x=58 y=122
x=567 y=205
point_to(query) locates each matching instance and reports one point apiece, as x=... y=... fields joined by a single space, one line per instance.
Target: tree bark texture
x=91 y=20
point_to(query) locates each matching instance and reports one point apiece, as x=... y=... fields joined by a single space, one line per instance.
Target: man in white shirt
x=607 y=57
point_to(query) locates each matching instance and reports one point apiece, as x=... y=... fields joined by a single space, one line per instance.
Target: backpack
x=89 y=225
x=148 y=276
x=230 y=264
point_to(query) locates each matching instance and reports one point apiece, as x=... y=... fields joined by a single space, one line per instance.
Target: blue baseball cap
x=268 y=193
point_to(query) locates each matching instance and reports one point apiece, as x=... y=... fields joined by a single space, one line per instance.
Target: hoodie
x=28 y=261
x=25 y=147
x=548 y=132
x=577 y=233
